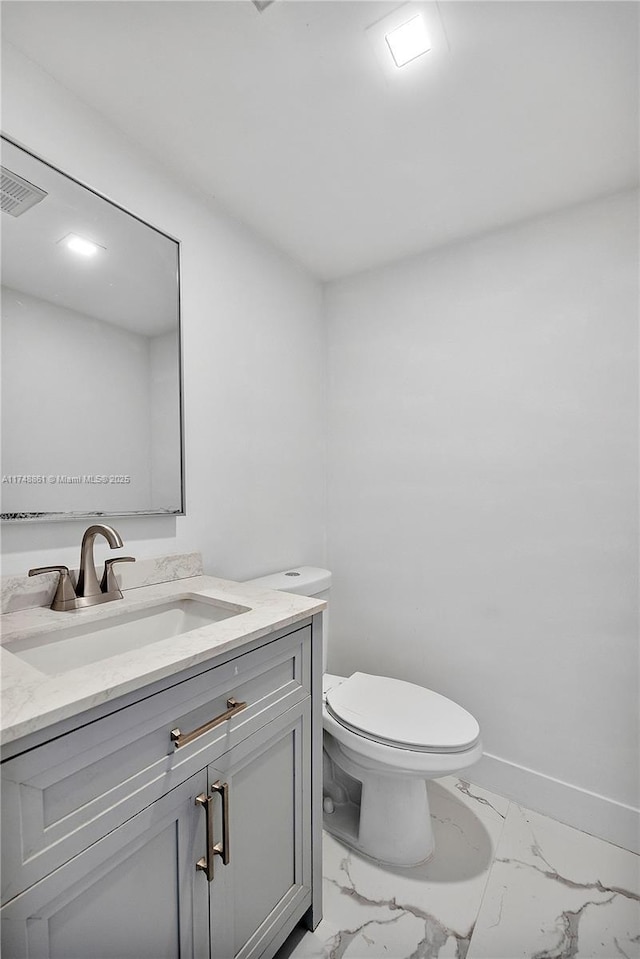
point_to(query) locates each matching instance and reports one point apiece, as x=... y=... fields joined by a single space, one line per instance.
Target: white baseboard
x=584 y=810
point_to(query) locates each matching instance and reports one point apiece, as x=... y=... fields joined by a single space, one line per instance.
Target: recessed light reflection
x=80 y=245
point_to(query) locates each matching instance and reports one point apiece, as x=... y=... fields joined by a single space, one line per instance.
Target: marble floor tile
x=504 y=883
x=373 y=911
x=556 y=893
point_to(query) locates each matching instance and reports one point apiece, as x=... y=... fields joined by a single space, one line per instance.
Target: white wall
x=482 y=493
x=164 y=420
x=253 y=358
x=57 y=366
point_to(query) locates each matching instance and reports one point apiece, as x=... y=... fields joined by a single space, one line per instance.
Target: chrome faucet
x=88 y=584
x=88 y=591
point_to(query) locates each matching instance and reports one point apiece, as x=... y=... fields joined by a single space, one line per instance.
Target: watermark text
x=60 y=479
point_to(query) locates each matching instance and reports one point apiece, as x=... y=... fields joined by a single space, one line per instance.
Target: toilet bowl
x=383 y=739
x=389 y=737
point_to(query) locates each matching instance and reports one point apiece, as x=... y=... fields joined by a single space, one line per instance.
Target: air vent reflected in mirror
x=18 y=195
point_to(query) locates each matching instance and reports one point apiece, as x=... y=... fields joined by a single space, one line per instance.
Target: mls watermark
x=61 y=479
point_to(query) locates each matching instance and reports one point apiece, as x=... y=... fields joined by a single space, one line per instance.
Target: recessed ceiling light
x=79 y=245
x=401 y=58
x=408 y=41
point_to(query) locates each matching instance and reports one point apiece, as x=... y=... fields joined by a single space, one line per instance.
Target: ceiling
x=287 y=118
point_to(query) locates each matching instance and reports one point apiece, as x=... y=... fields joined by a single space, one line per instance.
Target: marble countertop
x=32 y=700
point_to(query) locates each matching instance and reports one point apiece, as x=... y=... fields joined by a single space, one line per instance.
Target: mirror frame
x=40 y=517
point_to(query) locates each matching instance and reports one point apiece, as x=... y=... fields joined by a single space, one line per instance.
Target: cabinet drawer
x=59 y=798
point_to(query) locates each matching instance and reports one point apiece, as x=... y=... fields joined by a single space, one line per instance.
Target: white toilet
x=383 y=738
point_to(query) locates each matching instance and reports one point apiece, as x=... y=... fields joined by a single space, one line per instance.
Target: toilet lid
x=402 y=714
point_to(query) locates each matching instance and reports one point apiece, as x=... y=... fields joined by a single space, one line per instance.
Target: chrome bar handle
x=206 y=863
x=182 y=739
x=222 y=848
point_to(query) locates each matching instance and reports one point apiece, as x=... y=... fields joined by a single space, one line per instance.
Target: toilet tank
x=306 y=581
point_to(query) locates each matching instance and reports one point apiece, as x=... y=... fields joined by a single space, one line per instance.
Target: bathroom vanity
x=164 y=801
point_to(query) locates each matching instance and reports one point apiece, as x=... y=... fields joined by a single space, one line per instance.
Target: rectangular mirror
x=91 y=363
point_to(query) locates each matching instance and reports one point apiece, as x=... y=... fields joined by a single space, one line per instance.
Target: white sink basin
x=88 y=643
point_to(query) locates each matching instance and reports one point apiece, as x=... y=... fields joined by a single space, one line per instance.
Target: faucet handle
x=109 y=583
x=65 y=594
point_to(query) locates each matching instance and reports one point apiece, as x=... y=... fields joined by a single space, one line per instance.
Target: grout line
x=489 y=873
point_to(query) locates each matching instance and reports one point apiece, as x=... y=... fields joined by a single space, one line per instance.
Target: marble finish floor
x=504 y=883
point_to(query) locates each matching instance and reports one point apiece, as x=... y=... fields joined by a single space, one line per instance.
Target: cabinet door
x=266 y=885
x=135 y=894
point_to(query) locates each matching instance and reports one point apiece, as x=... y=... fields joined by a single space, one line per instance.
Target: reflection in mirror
x=91 y=400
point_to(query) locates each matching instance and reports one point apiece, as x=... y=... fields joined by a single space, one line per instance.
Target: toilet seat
x=401 y=715
x=388 y=760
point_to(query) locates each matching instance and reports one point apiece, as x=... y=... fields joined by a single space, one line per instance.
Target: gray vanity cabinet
x=107 y=856
x=132 y=894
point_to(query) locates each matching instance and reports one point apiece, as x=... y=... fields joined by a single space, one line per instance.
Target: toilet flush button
x=292 y=573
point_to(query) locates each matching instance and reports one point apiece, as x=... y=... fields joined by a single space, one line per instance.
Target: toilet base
x=386 y=818
x=387 y=849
